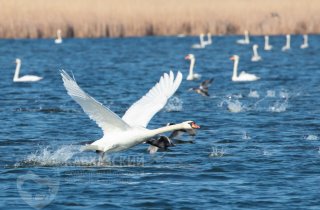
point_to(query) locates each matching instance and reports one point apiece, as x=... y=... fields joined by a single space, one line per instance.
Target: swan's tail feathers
x=90 y=147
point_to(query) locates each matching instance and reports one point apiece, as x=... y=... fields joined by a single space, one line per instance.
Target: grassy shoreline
x=122 y=18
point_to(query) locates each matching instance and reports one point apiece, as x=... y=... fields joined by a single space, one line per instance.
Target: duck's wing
x=205 y=84
x=141 y=112
x=104 y=117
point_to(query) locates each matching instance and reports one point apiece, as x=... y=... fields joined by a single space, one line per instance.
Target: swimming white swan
x=267 y=46
x=202 y=43
x=246 y=39
x=191 y=75
x=305 y=42
x=58 y=40
x=287 y=46
x=209 y=40
x=121 y=134
x=243 y=76
x=255 y=56
x=26 y=78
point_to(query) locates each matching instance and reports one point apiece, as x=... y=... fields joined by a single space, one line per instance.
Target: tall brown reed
x=114 y=18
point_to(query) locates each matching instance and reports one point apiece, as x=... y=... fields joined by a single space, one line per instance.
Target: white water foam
x=253 y=94
x=279 y=106
x=271 y=93
x=312 y=137
x=174 y=105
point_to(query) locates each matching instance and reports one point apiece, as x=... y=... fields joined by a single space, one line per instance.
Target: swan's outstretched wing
x=104 y=117
x=141 y=112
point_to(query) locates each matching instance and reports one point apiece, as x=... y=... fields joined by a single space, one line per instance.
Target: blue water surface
x=258 y=146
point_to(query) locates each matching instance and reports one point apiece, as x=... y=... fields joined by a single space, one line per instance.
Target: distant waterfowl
x=25 y=78
x=163 y=142
x=255 y=57
x=202 y=43
x=192 y=75
x=246 y=39
x=209 y=40
x=203 y=89
x=305 y=42
x=58 y=40
x=243 y=76
x=130 y=130
x=287 y=46
x=267 y=46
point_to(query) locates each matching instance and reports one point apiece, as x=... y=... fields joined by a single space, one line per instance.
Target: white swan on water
x=191 y=75
x=202 y=43
x=130 y=130
x=243 y=76
x=287 y=46
x=246 y=39
x=305 y=42
x=255 y=56
x=209 y=40
x=58 y=40
x=25 y=78
x=267 y=46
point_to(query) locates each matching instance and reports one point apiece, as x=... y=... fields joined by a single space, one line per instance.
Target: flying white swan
x=287 y=46
x=209 y=40
x=202 y=43
x=26 y=78
x=267 y=46
x=305 y=42
x=121 y=134
x=191 y=75
x=58 y=40
x=243 y=76
x=255 y=56
x=246 y=39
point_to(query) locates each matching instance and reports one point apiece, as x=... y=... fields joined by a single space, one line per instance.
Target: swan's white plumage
x=118 y=134
x=104 y=117
x=141 y=112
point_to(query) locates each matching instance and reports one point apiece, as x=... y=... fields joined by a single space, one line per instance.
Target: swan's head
x=190 y=125
x=288 y=36
x=255 y=46
x=235 y=58
x=18 y=60
x=59 y=31
x=246 y=32
x=189 y=57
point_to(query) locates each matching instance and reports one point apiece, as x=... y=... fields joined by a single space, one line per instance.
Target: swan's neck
x=201 y=40
x=17 y=71
x=255 y=52
x=192 y=62
x=246 y=37
x=169 y=128
x=288 y=42
x=235 y=68
x=305 y=39
x=266 y=41
x=209 y=39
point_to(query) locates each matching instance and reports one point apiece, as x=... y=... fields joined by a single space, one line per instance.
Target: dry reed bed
x=113 y=18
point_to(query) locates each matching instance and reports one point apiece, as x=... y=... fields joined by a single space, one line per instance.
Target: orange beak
x=195 y=126
x=187 y=57
x=232 y=58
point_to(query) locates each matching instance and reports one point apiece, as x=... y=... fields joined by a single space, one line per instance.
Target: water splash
x=174 y=105
x=217 y=152
x=47 y=157
x=253 y=94
x=245 y=136
x=271 y=93
x=235 y=106
x=279 y=106
x=312 y=137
